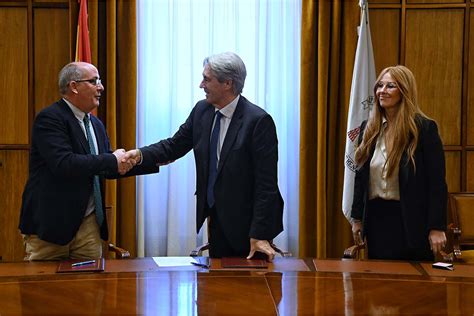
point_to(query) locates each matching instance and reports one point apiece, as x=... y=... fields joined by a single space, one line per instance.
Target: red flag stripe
x=83 y=46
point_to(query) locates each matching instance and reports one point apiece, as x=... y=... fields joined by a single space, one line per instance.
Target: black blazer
x=247 y=199
x=423 y=194
x=61 y=174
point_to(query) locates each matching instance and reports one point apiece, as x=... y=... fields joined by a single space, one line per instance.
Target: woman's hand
x=437 y=240
x=356 y=232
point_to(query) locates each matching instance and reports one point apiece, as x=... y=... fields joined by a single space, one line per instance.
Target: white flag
x=361 y=101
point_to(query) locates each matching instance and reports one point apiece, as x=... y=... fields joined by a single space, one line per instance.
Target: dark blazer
x=247 y=199
x=423 y=193
x=61 y=174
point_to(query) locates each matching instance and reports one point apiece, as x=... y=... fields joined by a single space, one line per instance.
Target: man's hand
x=124 y=161
x=262 y=246
x=437 y=240
x=135 y=154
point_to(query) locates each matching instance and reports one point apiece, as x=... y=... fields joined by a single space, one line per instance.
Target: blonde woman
x=400 y=192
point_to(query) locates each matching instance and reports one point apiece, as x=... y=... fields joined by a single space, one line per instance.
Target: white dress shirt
x=227 y=113
x=80 y=119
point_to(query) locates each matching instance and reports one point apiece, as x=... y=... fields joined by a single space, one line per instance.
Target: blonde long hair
x=404 y=127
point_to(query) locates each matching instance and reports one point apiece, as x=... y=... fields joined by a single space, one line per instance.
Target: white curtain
x=174 y=36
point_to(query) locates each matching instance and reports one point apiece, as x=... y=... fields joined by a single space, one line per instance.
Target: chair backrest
x=462 y=212
x=110 y=250
x=461 y=206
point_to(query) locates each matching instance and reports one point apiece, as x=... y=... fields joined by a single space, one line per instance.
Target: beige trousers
x=85 y=245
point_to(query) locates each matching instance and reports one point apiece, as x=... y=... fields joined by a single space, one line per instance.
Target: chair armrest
x=353 y=251
x=446 y=257
x=454 y=246
x=197 y=252
x=456 y=233
x=120 y=253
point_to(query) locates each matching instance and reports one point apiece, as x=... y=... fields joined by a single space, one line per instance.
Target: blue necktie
x=213 y=159
x=99 y=212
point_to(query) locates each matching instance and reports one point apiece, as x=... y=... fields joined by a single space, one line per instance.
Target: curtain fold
x=328 y=40
x=121 y=69
x=308 y=128
x=112 y=28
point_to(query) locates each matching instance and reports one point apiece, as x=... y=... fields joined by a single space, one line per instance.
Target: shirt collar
x=229 y=109
x=77 y=112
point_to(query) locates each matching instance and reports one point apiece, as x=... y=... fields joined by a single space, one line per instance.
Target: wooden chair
x=356 y=251
x=461 y=207
x=461 y=229
x=109 y=249
x=197 y=252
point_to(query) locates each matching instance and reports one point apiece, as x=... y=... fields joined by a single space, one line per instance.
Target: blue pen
x=82 y=263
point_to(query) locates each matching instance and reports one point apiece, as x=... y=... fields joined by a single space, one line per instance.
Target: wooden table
x=287 y=287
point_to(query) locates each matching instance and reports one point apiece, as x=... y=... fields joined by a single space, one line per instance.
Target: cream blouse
x=381 y=186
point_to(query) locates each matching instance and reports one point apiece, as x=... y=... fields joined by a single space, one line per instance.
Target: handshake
x=126 y=160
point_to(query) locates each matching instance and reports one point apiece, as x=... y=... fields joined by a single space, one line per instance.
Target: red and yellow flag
x=83 y=45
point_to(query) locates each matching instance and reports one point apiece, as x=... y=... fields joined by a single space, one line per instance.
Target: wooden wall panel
x=386 y=39
x=434 y=1
x=470 y=92
x=470 y=171
x=13 y=175
x=51 y=53
x=382 y=1
x=453 y=170
x=14 y=78
x=50 y=1
x=25 y=58
x=434 y=50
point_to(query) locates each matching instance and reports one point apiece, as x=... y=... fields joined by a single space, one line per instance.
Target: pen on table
x=82 y=263
x=202 y=265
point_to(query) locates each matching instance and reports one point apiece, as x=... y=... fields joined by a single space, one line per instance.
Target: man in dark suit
x=62 y=214
x=236 y=152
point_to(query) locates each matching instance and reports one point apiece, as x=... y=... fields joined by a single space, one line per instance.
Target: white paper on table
x=174 y=261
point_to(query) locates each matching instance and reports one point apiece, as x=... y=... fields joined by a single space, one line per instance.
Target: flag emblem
x=353 y=133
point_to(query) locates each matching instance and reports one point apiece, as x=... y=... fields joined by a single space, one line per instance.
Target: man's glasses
x=94 y=81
